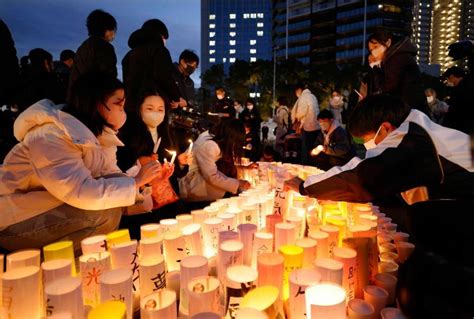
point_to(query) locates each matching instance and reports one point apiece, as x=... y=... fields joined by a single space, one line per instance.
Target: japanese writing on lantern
x=49 y=308
x=159 y=281
x=93 y=276
x=135 y=269
x=119 y=297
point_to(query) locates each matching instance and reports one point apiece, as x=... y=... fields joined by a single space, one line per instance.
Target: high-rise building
x=335 y=31
x=421 y=29
x=467 y=21
x=235 y=30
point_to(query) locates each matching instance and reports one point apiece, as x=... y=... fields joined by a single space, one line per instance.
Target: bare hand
x=147 y=173
x=318 y=149
x=243 y=185
x=293 y=184
x=182 y=102
x=168 y=170
x=184 y=159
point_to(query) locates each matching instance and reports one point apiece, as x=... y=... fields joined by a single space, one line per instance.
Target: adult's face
x=152 y=111
x=325 y=124
x=380 y=134
x=109 y=35
x=298 y=92
x=188 y=67
x=377 y=49
x=112 y=109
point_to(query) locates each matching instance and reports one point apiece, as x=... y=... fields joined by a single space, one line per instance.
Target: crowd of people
x=84 y=153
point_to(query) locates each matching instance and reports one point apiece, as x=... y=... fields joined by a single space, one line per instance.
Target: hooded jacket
x=148 y=65
x=419 y=153
x=58 y=160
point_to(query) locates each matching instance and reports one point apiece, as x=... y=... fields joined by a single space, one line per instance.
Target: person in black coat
x=96 y=54
x=333 y=145
x=252 y=120
x=399 y=74
x=149 y=64
x=8 y=64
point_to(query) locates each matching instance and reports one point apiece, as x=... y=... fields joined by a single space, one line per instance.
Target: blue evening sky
x=56 y=25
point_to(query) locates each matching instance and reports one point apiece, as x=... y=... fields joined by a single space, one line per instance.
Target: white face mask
x=449 y=84
x=220 y=97
x=374 y=64
x=153 y=119
x=378 y=52
x=250 y=107
x=371 y=143
x=430 y=99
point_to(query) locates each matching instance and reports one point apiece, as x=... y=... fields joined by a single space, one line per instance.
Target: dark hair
x=455 y=71
x=381 y=36
x=282 y=100
x=24 y=61
x=157 y=26
x=66 y=55
x=189 y=56
x=99 y=21
x=299 y=85
x=250 y=101
x=325 y=114
x=230 y=136
x=38 y=56
x=337 y=91
x=372 y=111
x=87 y=92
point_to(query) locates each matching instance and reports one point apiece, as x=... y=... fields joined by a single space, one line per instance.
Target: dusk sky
x=55 y=25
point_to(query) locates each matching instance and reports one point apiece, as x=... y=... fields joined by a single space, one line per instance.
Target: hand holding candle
x=318 y=149
x=190 y=148
x=173 y=156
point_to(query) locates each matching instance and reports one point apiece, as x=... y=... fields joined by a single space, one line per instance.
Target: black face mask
x=189 y=69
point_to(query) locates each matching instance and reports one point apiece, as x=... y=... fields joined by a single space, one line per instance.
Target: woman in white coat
x=212 y=172
x=59 y=182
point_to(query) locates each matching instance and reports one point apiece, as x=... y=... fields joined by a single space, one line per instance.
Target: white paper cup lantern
x=117 y=284
x=184 y=220
x=210 y=232
x=21 y=288
x=392 y=313
x=347 y=256
x=325 y=301
x=151 y=247
x=285 y=234
x=190 y=267
x=388 y=257
x=175 y=249
x=227 y=235
x=249 y=214
x=300 y=279
x=159 y=305
x=389 y=283
x=237 y=212
x=230 y=254
x=309 y=246
x=264 y=299
x=270 y=268
x=199 y=216
x=193 y=239
x=229 y=221
x=169 y=224
x=400 y=236
x=92 y=268
x=331 y=270
x=271 y=221
x=247 y=232
x=56 y=269
x=125 y=256
x=152 y=275
x=204 y=295
x=377 y=297
x=94 y=244
x=64 y=295
x=404 y=249
x=387 y=247
x=322 y=246
x=172 y=282
x=359 y=309
x=239 y=281
x=262 y=243
x=299 y=224
x=150 y=231
x=23 y=258
x=388 y=267
x=333 y=237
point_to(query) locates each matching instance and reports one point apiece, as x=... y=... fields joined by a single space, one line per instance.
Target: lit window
x=253 y=51
x=212 y=51
x=212 y=60
x=253 y=15
x=260 y=15
x=224 y=60
x=232 y=42
x=260 y=33
x=253 y=59
x=232 y=25
x=231 y=60
x=253 y=42
x=246 y=15
x=212 y=17
x=232 y=34
x=252 y=94
x=212 y=34
x=260 y=25
x=232 y=51
x=212 y=26
x=232 y=16
x=212 y=43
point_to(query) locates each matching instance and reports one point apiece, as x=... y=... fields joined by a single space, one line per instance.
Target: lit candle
x=325 y=301
x=190 y=148
x=159 y=305
x=173 y=156
x=293 y=259
x=204 y=294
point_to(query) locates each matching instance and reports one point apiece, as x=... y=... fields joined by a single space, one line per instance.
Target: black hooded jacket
x=148 y=65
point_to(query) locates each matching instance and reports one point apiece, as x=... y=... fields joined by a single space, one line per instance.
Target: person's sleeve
x=107 y=60
x=61 y=170
x=206 y=158
x=340 y=144
x=162 y=70
x=393 y=72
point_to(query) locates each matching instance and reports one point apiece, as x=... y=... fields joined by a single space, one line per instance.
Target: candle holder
x=333 y=237
x=204 y=293
x=193 y=239
x=262 y=243
x=377 y=297
x=112 y=309
x=229 y=221
x=151 y=247
x=331 y=270
x=293 y=259
x=152 y=275
x=249 y=313
x=169 y=224
x=389 y=283
x=247 y=232
x=392 y=313
x=325 y=301
x=117 y=237
x=285 y=234
x=299 y=224
x=230 y=254
x=389 y=268
x=227 y=235
x=300 y=280
x=270 y=267
x=60 y=250
x=360 y=309
x=184 y=220
x=23 y=258
x=271 y=221
x=309 y=251
x=264 y=299
x=239 y=281
x=210 y=230
x=92 y=268
x=190 y=267
x=125 y=255
x=94 y=244
x=150 y=231
x=348 y=257
x=116 y=284
x=322 y=246
x=404 y=249
x=175 y=249
x=249 y=213
x=56 y=269
x=64 y=295
x=199 y=216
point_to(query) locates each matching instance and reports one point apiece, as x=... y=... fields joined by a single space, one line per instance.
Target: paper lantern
x=229 y=221
x=270 y=267
x=331 y=270
x=377 y=297
x=112 y=309
x=312 y=218
x=184 y=220
x=211 y=211
x=387 y=247
x=210 y=230
x=152 y=275
x=92 y=268
x=193 y=239
x=400 y=236
x=230 y=254
x=250 y=212
x=249 y=313
x=169 y=224
x=404 y=249
x=285 y=234
x=271 y=221
x=125 y=255
x=159 y=305
x=237 y=212
x=116 y=284
x=56 y=269
x=60 y=250
x=239 y=281
x=309 y=251
x=204 y=295
x=227 y=235
x=389 y=268
x=94 y=244
x=63 y=295
x=322 y=246
x=190 y=267
x=388 y=257
x=174 y=248
x=2 y=263
x=389 y=283
x=247 y=232
x=21 y=288
x=392 y=313
x=300 y=279
x=199 y=216
x=360 y=309
x=333 y=237
x=264 y=299
x=390 y=227
x=358 y=231
x=117 y=237
x=348 y=257
x=151 y=247
x=23 y=258
x=293 y=259
x=262 y=243
x=150 y=231
x=219 y=206
x=299 y=224
x=173 y=281
x=325 y=301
